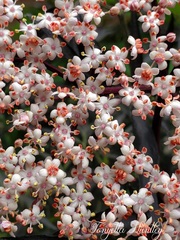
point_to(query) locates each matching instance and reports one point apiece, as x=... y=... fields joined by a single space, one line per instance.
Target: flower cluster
x=63 y=98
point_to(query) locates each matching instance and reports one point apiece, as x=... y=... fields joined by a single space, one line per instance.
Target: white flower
x=140 y=227
x=31 y=217
x=92 y=56
x=144 y=75
x=150 y=21
x=143 y=200
x=116 y=58
x=129 y=95
x=52 y=48
x=143 y=107
x=103 y=176
x=80 y=197
x=76 y=69
x=160 y=56
x=91 y=11
x=163 y=86
x=85 y=33
x=67 y=227
x=52 y=171
x=13 y=10
x=107 y=105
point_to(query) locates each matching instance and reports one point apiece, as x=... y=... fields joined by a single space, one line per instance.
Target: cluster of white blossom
x=50 y=117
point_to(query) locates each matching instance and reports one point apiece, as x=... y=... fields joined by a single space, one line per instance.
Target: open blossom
x=81 y=197
x=21 y=119
x=29 y=28
x=52 y=170
x=143 y=162
x=105 y=74
x=143 y=107
x=129 y=95
x=85 y=33
x=7 y=70
x=36 y=137
x=144 y=75
x=20 y=93
x=37 y=59
x=16 y=185
x=87 y=100
x=160 y=56
x=108 y=221
x=107 y=105
x=8 y=159
x=76 y=69
x=116 y=58
x=13 y=10
x=100 y=124
x=143 y=200
x=103 y=175
x=31 y=218
x=151 y=21
x=5 y=37
x=163 y=86
x=115 y=132
x=62 y=112
x=27 y=155
x=67 y=227
x=141 y=227
x=64 y=7
x=92 y=56
x=121 y=204
x=52 y=48
x=91 y=10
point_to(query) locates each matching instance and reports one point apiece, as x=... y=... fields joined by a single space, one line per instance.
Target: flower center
x=141 y=201
x=80 y=177
x=159 y=58
x=52 y=170
x=62 y=111
x=146 y=75
x=142 y=229
x=105 y=176
x=120 y=175
x=75 y=70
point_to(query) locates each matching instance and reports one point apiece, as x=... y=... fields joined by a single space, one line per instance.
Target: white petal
x=52 y=180
x=66 y=219
x=43 y=172
x=131 y=40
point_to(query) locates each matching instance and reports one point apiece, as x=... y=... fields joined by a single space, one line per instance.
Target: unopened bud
x=18 y=143
x=114 y=11
x=171 y=37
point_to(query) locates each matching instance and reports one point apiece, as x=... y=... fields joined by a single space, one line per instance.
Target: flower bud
x=171 y=37
x=114 y=11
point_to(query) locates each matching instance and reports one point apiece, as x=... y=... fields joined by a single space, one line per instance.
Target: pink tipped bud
x=171 y=37
x=114 y=11
x=18 y=143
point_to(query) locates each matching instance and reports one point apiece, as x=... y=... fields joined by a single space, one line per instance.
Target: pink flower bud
x=114 y=11
x=18 y=143
x=171 y=37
